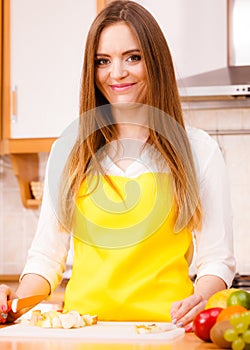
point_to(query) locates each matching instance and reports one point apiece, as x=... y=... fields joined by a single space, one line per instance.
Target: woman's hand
x=184 y=311
x=6 y=293
x=31 y=284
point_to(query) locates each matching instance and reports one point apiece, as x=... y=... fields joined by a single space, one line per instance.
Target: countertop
x=188 y=342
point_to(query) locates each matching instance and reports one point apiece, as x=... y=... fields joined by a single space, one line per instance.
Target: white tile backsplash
x=18 y=225
x=235 y=149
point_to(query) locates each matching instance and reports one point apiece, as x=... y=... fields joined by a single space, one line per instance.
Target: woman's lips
x=121 y=87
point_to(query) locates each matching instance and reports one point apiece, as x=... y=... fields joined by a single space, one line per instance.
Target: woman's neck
x=131 y=121
x=132 y=131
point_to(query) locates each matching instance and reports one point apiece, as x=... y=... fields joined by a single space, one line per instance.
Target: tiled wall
x=17 y=224
x=235 y=148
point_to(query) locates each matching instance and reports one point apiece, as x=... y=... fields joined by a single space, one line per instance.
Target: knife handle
x=4 y=314
x=9 y=303
x=3 y=317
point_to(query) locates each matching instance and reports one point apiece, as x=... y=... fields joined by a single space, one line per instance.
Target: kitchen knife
x=18 y=304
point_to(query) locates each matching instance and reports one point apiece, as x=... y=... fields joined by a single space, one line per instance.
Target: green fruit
x=238 y=344
x=239 y=297
x=230 y=335
x=246 y=336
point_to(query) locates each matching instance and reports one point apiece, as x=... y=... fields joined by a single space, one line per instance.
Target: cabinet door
x=196 y=31
x=47 y=46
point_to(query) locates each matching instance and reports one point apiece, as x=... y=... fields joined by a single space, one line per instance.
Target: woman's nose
x=118 y=70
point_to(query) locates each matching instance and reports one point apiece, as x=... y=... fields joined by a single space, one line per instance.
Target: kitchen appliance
x=241 y=282
x=233 y=80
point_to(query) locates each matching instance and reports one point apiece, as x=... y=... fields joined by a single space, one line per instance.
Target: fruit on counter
x=231 y=328
x=204 y=321
x=229 y=311
x=217 y=334
x=239 y=297
x=239 y=333
x=55 y=319
x=219 y=299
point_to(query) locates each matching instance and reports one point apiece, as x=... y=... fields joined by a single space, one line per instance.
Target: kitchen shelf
x=27 y=145
x=25 y=162
x=26 y=169
x=33 y=203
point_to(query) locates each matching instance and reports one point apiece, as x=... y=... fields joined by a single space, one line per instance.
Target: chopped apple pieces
x=149 y=328
x=153 y=328
x=55 y=319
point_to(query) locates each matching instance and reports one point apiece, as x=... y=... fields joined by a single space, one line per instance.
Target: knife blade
x=20 y=303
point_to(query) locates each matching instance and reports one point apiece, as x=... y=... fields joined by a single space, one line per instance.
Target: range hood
x=229 y=81
x=233 y=80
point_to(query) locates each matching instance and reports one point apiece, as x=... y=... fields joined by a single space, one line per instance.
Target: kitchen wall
x=18 y=225
x=235 y=150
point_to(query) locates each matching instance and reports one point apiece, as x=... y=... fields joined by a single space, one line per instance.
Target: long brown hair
x=166 y=132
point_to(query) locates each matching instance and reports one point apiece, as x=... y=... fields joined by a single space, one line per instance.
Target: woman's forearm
x=32 y=284
x=208 y=285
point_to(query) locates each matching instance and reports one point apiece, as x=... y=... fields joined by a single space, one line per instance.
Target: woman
x=135 y=187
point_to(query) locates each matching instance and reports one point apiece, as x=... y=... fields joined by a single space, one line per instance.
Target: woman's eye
x=101 y=61
x=134 y=58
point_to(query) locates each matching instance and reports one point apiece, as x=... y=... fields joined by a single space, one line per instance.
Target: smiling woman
x=133 y=188
x=120 y=68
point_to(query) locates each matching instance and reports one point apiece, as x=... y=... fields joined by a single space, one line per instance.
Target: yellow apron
x=129 y=265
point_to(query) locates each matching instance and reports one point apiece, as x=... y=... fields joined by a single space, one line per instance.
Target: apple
x=204 y=321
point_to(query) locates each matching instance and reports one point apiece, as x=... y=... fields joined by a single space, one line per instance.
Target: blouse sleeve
x=48 y=252
x=214 y=243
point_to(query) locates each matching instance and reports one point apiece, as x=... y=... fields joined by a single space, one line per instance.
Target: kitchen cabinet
x=42 y=45
x=47 y=45
x=46 y=50
x=196 y=32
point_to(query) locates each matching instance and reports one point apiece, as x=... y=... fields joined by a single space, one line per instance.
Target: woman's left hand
x=184 y=311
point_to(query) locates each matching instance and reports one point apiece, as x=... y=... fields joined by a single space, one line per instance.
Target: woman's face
x=120 y=69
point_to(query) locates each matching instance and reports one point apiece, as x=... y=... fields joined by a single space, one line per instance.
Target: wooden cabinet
x=42 y=47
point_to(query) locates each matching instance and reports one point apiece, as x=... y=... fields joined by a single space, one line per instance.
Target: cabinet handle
x=14 y=105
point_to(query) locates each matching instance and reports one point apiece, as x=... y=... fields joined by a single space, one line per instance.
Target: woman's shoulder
x=203 y=146
x=200 y=139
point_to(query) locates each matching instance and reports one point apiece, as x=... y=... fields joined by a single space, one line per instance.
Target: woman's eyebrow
x=130 y=51
x=124 y=53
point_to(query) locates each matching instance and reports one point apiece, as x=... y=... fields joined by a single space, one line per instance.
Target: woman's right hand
x=6 y=293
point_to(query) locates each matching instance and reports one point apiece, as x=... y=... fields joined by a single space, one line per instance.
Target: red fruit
x=204 y=321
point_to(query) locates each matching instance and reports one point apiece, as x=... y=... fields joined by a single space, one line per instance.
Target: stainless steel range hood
x=233 y=80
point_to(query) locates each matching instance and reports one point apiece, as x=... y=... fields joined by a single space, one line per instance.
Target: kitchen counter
x=187 y=342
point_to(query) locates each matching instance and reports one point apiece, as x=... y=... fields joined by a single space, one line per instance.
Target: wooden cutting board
x=110 y=331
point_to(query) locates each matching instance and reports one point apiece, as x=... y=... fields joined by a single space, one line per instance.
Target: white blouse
x=214 y=243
